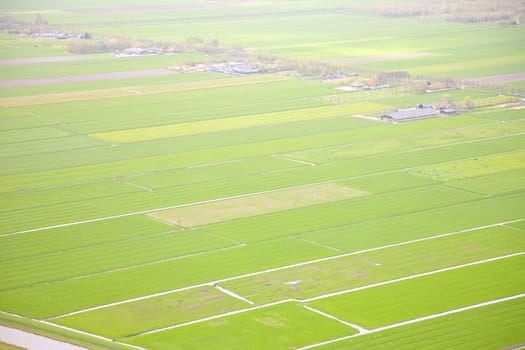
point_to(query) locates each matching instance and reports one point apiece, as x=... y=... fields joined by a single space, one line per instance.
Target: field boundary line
x=416 y=320
x=233 y=294
x=144 y=297
x=462 y=142
x=134 y=266
x=74 y=330
x=127 y=301
x=209 y=318
x=365 y=331
x=512 y=227
x=490 y=138
x=241 y=195
x=319 y=244
x=191 y=204
x=94 y=245
x=236 y=196
x=224 y=238
x=410 y=135
x=228 y=161
x=228 y=198
x=90 y=334
x=359 y=329
x=423 y=274
x=139 y=186
x=293 y=160
x=68 y=329
x=215 y=163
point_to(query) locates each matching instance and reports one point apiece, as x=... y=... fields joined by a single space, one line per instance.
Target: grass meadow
x=190 y=211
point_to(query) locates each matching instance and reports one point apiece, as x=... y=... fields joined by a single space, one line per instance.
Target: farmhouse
x=357 y=84
x=420 y=112
x=138 y=51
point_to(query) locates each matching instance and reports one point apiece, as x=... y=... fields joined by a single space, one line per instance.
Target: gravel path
x=32 y=341
x=84 y=77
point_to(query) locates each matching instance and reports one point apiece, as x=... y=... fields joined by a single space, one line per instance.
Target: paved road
x=85 y=77
x=36 y=60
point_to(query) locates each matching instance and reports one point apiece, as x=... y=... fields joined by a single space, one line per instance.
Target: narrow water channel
x=32 y=341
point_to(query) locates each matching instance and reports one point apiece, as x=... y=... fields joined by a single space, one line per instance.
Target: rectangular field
x=48 y=299
x=432 y=294
x=344 y=212
x=365 y=267
x=215 y=125
x=258 y=204
x=282 y=326
x=489 y=327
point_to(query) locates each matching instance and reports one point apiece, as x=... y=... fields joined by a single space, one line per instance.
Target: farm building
x=448 y=111
x=242 y=68
x=138 y=51
x=402 y=115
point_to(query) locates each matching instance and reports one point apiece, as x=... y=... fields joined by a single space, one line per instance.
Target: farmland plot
x=488 y=327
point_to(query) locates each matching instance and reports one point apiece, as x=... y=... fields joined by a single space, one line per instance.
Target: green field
x=262 y=211
x=427 y=295
x=284 y=326
x=490 y=327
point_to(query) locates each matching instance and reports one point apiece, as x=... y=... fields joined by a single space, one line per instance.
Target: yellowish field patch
x=230 y=209
x=471 y=64
x=205 y=126
x=474 y=167
x=19 y=101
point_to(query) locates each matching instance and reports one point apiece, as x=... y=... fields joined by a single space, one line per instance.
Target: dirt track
x=500 y=79
x=35 y=60
x=149 y=8
x=84 y=78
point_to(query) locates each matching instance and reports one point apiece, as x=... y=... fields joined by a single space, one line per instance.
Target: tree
x=214 y=42
x=417 y=86
x=436 y=86
x=446 y=101
x=194 y=40
x=39 y=20
x=468 y=103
